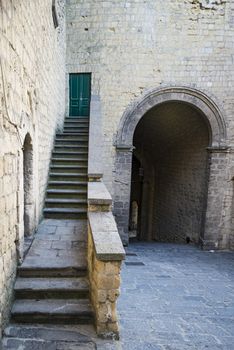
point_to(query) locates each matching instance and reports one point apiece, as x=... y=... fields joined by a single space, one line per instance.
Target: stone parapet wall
x=32 y=93
x=105 y=255
x=104 y=277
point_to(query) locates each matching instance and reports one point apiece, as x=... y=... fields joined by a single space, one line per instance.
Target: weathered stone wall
x=32 y=94
x=131 y=46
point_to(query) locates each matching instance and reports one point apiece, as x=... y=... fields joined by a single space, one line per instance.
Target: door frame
x=67 y=108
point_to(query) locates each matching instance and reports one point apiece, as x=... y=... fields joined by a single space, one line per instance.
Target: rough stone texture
x=107 y=243
x=135 y=46
x=104 y=280
x=105 y=254
x=32 y=88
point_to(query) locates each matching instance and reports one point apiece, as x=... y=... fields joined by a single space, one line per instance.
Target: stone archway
x=29 y=207
x=124 y=146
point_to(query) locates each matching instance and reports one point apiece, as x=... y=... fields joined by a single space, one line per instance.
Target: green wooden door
x=79 y=92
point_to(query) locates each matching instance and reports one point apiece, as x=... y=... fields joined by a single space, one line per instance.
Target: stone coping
x=95 y=139
x=98 y=194
x=106 y=239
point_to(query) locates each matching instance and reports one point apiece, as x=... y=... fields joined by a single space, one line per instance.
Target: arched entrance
x=169 y=132
x=29 y=212
x=170 y=142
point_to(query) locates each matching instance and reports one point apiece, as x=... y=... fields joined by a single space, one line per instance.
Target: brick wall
x=32 y=89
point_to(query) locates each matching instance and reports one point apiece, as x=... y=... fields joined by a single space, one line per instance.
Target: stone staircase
x=52 y=284
x=66 y=196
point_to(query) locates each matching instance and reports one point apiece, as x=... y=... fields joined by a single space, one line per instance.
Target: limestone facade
x=142 y=54
x=136 y=48
x=32 y=93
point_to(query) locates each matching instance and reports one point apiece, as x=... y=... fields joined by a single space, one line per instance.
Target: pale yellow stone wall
x=104 y=277
x=32 y=87
x=134 y=45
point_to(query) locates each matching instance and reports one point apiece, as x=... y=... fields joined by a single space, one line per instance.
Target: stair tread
x=47 y=333
x=55 y=190
x=50 y=284
x=68 y=174
x=65 y=200
x=69 y=159
x=52 y=306
x=71 y=146
x=70 y=152
x=51 y=264
x=72 y=133
x=68 y=166
x=68 y=182
x=76 y=120
x=65 y=210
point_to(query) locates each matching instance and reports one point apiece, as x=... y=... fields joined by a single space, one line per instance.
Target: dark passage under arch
x=170 y=176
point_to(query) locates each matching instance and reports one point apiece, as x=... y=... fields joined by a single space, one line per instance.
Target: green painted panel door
x=79 y=92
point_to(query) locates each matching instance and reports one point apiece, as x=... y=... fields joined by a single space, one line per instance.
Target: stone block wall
x=131 y=46
x=134 y=46
x=32 y=94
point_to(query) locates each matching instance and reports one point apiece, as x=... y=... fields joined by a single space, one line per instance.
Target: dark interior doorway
x=170 y=173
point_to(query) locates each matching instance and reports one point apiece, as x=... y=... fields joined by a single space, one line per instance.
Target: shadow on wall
x=29 y=201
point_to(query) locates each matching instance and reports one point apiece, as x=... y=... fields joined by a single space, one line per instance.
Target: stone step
x=81 y=130
x=74 y=119
x=68 y=176
x=61 y=193
x=71 y=141
x=69 y=161
x=39 y=344
x=73 y=135
x=66 y=203
x=70 y=154
x=65 y=311
x=53 y=267
x=67 y=185
x=69 y=169
x=73 y=148
x=51 y=288
x=77 y=125
x=39 y=337
x=65 y=213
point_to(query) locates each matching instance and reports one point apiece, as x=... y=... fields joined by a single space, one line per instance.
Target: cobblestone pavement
x=173 y=297
x=181 y=298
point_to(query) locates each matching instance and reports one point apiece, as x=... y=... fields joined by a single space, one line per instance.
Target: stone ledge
x=95 y=140
x=98 y=194
x=107 y=243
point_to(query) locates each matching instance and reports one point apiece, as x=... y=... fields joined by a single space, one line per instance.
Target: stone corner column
x=122 y=189
x=218 y=186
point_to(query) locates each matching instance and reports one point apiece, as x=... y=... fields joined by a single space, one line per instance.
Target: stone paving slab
x=55 y=239
x=182 y=298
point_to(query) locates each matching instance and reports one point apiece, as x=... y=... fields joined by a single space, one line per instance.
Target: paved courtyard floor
x=173 y=297
x=181 y=298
